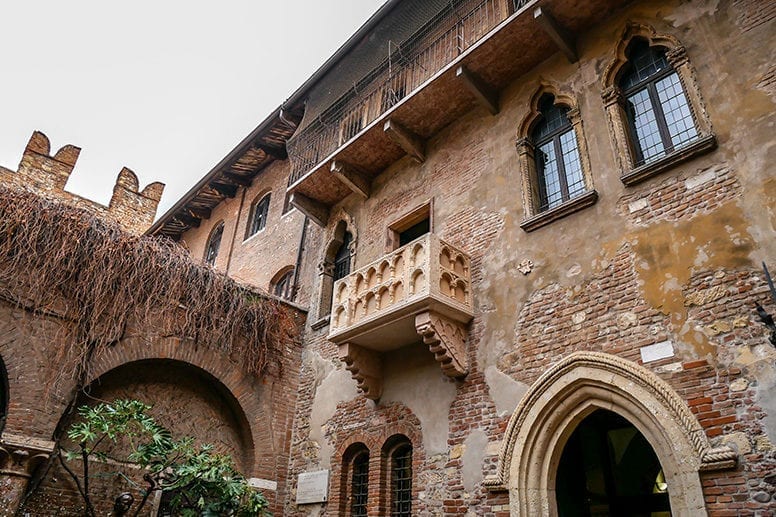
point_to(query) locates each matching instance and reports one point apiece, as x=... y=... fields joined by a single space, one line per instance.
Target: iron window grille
x=258 y=216
x=558 y=165
x=401 y=481
x=213 y=244
x=359 y=486
x=659 y=117
x=342 y=258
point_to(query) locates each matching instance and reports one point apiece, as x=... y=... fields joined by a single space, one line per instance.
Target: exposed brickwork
x=752 y=13
x=682 y=196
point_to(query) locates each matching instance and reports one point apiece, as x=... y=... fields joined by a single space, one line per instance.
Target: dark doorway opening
x=608 y=468
x=3 y=394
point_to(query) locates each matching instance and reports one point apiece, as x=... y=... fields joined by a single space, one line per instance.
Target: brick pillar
x=19 y=457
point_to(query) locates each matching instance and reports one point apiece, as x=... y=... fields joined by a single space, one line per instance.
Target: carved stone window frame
x=335 y=235
x=614 y=105
x=533 y=218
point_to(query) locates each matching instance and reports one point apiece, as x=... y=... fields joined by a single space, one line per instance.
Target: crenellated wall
x=46 y=174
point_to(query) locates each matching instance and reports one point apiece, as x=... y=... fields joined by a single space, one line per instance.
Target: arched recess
x=243 y=389
x=574 y=388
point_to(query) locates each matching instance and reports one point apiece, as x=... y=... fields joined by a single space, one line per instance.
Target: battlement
x=47 y=175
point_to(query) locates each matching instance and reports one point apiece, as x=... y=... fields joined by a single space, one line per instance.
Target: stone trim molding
x=614 y=105
x=532 y=217
x=446 y=339
x=21 y=455
x=568 y=392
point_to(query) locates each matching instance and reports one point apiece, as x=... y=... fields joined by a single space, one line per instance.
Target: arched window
x=342 y=258
x=401 y=480
x=554 y=166
x=258 y=216
x=283 y=287
x=359 y=483
x=558 y=166
x=659 y=117
x=214 y=243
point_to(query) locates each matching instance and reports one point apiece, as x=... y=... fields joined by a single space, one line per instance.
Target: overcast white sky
x=164 y=87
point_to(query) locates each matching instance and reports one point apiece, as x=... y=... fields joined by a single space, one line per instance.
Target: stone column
x=19 y=457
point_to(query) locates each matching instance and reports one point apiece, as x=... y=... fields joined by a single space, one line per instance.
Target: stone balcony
x=419 y=292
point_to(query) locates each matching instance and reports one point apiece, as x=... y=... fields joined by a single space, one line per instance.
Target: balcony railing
x=426 y=274
x=407 y=67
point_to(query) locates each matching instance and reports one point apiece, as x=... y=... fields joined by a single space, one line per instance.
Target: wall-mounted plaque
x=312 y=487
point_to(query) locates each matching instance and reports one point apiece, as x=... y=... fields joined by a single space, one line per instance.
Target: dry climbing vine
x=62 y=260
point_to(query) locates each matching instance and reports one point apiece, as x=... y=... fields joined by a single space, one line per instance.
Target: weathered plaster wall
x=675 y=258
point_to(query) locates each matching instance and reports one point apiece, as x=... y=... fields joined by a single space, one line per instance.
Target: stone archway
x=574 y=388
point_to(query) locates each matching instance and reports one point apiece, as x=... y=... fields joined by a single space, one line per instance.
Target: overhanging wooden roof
x=261 y=147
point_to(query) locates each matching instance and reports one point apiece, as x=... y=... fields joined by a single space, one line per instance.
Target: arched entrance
x=4 y=395
x=609 y=468
x=573 y=389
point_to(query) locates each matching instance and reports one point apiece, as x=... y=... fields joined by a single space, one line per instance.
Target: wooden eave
x=237 y=170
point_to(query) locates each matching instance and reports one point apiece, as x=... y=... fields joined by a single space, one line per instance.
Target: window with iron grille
x=284 y=287
x=213 y=244
x=659 y=117
x=558 y=165
x=342 y=258
x=401 y=481
x=258 y=217
x=359 y=485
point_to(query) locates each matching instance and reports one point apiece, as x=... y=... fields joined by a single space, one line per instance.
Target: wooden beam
x=278 y=153
x=188 y=220
x=562 y=37
x=201 y=213
x=315 y=210
x=411 y=143
x=483 y=92
x=238 y=179
x=354 y=178
x=223 y=189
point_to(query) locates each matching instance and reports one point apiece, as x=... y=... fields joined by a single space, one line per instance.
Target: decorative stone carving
x=525 y=266
x=20 y=455
x=566 y=392
x=446 y=339
x=365 y=366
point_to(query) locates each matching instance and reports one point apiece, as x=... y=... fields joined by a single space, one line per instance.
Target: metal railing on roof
x=445 y=37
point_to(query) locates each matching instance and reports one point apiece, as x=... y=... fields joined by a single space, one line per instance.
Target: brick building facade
x=528 y=237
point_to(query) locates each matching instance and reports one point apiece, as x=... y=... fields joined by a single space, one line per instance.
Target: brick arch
x=572 y=389
x=4 y=394
x=241 y=388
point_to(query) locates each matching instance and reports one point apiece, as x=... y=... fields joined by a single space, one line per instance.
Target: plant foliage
x=201 y=481
x=62 y=260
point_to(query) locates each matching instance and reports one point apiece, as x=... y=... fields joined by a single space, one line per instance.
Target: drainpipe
x=295 y=287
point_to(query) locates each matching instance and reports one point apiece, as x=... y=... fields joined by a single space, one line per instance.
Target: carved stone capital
x=611 y=95
x=677 y=56
x=365 y=366
x=446 y=339
x=524 y=146
x=21 y=455
x=326 y=268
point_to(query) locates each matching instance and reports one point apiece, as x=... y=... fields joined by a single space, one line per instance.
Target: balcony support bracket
x=446 y=339
x=355 y=179
x=411 y=143
x=485 y=94
x=315 y=210
x=365 y=366
x=562 y=38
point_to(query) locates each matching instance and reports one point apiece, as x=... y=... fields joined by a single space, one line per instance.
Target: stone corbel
x=446 y=339
x=365 y=366
x=21 y=455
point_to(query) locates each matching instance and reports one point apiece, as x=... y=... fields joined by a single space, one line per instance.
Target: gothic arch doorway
x=573 y=389
x=608 y=467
